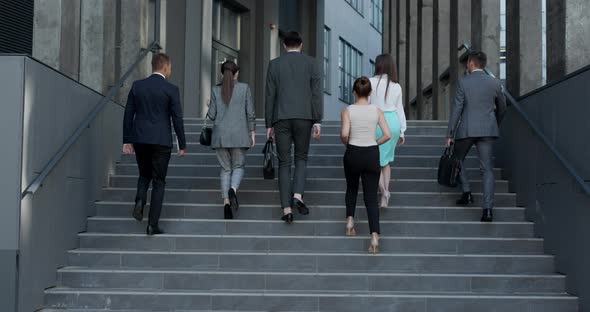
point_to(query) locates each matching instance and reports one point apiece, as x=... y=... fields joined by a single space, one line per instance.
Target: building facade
x=352 y=39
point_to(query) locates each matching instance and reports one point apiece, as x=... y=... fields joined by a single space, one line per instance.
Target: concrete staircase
x=434 y=256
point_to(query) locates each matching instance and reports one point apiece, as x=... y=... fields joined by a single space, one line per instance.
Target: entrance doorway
x=226 y=37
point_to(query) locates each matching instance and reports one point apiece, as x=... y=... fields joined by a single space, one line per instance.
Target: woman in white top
x=361 y=160
x=387 y=96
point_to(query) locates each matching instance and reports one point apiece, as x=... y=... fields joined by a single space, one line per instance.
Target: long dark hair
x=228 y=70
x=385 y=65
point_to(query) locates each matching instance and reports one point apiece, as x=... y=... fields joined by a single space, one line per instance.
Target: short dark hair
x=478 y=58
x=362 y=87
x=160 y=60
x=292 y=39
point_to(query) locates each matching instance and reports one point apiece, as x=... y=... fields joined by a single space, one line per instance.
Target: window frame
x=327 y=46
x=376 y=15
x=357 y=5
x=350 y=67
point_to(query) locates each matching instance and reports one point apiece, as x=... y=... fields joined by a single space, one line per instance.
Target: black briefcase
x=268 y=168
x=449 y=168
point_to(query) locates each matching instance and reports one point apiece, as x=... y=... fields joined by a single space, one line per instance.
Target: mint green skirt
x=387 y=149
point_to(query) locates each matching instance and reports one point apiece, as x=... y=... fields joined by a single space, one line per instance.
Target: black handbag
x=268 y=168
x=449 y=168
x=206 y=133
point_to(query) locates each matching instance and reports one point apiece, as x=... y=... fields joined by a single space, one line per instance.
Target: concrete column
x=412 y=56
x=390 y=27
x=435 y=58
x=427 y=53
x=453 y=60
x=134 y=37
x=194 y=35
x=568 y=42
x=92 y=32
x=401 y=45
x=523 y=46
x=47 y=32
x=70 y=39
x=442 y=49
x=110 y=44
x=175 y=44
x=485 y=30
x=464 y=21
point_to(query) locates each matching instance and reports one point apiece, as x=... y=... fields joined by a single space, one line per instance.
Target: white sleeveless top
x=363 y=125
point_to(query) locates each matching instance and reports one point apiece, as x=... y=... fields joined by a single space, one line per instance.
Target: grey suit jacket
x=293 y=89
x=232 y=122
x=478 y=108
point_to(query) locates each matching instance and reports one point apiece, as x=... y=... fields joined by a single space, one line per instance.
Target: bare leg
x=384 y=185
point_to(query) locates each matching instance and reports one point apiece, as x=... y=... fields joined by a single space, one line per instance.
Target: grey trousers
x=485 y=152
x=232 y=161
x=292 y=132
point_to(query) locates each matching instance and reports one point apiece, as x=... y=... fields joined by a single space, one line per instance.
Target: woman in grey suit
x=232 y=112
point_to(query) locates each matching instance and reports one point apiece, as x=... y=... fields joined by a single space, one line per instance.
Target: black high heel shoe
x=288 y=218
x=227 y=212
x=466 y=199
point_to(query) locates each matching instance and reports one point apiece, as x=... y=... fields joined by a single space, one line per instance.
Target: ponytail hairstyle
x=228 y=70
x=385 y=65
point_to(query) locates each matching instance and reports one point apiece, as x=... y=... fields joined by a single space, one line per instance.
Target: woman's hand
x=401 y=141
x=253 y=138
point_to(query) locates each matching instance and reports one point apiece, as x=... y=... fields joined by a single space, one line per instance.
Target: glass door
x=226 y=37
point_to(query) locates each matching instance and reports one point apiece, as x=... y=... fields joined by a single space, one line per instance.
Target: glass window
x=357 y=5
x=376 y=15
x=326 y=59
x=350 y=63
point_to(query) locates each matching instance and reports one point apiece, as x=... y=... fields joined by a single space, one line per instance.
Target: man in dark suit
x=152 y=103
x=294 y=106
x=477 y=111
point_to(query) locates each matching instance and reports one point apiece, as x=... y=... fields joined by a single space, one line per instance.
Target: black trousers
x=363 y=163
x=290 y=132
x=152 y=161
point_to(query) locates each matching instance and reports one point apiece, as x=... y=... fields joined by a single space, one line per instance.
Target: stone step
x=316 y=184
x=314 y=228
x=151 y=279
x=339 y=149
x=325 y=244
x=335 y=129
x=138 y=299
x=272 y=212
x=410 y=123
x=315 y=262
x=195 y=159
x=254 y=170
x=312 y=198
x=333 y=138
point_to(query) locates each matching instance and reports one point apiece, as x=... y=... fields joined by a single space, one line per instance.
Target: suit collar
x=156 y=74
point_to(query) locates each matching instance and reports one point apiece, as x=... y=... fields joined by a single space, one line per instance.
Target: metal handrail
x=61 y=152
x=570 y=169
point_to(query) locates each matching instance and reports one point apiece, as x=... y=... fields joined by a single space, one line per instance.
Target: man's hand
x=270 y=133
x=317 y=131
x=449 y=141
x=127 y=149
x=252 y=138
x=181 y=153
x=401 y=141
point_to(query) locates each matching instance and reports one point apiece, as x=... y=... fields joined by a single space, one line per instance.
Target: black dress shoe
x=465 y=199
x=227 y=213
x=288 y=218
x=233 y=199
x=487 y=216
x=300 y=206
x=154 y=230
x=138 y=211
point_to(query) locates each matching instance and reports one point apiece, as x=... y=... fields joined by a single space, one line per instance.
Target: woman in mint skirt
x=387 y=96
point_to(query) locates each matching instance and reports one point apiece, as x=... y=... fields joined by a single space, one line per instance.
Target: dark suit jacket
x=478 y=108
x=293 y=89
x=151 y=104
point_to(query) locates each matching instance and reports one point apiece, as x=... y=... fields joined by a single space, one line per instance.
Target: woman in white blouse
x=387 y=96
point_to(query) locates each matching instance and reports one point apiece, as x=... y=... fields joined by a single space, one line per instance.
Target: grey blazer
x=293 y=89
x=232 y=122
x=478 y=108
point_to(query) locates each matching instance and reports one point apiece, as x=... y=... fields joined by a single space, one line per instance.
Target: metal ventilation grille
x=16 y=26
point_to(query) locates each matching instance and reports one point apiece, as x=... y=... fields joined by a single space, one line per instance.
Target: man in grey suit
x=477 y=112
x=294 y=106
